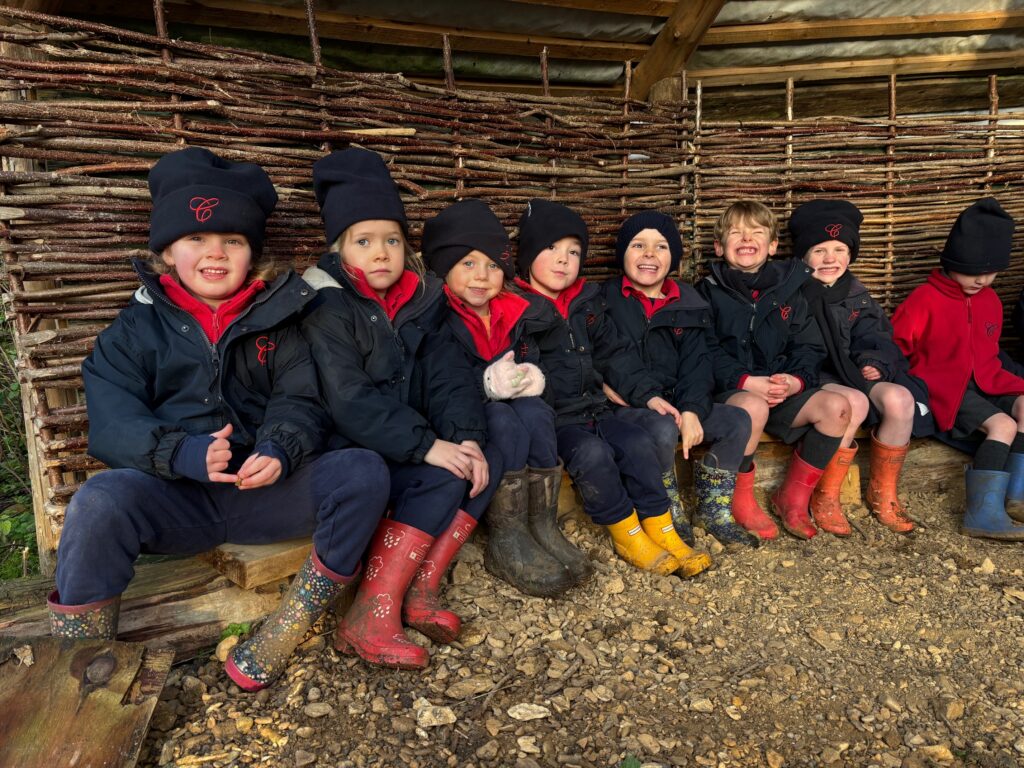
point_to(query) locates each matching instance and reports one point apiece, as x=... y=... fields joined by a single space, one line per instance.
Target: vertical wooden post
x=890 y=198
x=695 y=253
x=993 y=127
x=546 y=85
x=790 y=92
x=318 y=78
x=625 y=133
x=161 y=32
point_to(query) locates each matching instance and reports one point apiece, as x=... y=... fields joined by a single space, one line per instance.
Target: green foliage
x=17 y=526
x=630 y=761
x=236 y=629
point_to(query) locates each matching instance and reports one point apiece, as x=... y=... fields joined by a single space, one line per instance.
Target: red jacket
x=948 y=337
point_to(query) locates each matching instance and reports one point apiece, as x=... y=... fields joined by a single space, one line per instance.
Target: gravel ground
x=877 y=650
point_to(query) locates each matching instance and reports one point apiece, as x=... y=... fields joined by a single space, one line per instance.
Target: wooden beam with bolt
x=675 y=44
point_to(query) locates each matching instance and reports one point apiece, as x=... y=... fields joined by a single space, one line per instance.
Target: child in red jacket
x=949 y=330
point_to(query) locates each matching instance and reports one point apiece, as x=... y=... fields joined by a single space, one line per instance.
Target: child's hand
x=457 y=459
x=481 y=472
x=503 y=379
x=690 y=431
x=612 y=395
x=533 y=380
x=218 y=456
x=763 y=387
x=870 y=373
x=790 y=383
x=663 y=406
x=258 y=471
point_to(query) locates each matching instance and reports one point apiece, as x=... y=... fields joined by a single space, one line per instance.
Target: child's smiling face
x=212 y=266
x=556 y=267
x=476 y=279
x=829 y=260
x=647 y=261
x=747 y=245
x=972 y=284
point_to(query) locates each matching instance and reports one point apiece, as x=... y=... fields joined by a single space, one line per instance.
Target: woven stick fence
x=87 y=109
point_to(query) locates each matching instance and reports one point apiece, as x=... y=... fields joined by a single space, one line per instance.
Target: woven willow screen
x=87 y=109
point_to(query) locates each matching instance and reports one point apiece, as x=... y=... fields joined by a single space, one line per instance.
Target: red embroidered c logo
x=203 y=207
x=833 y=230
x=264 y=346
x=785 y=312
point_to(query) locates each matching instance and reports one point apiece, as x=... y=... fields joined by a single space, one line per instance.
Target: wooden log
x=85 y=702
x=252 y=565
x=180 y=604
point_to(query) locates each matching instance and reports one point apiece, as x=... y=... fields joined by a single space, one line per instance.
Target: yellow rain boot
x=634 y=546
x=663 y=533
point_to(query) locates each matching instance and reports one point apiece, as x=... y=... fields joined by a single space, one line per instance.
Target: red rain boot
x=793 y=497
x=747 y=512
x=826 y=507
x=372 y=628
x=422 y=608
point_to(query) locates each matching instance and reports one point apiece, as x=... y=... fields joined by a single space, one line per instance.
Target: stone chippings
x=878 y=650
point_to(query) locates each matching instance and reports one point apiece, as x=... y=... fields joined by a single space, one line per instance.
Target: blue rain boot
x=680 y=519
x=1015 y=490
x=985 y=516
x=715 y=488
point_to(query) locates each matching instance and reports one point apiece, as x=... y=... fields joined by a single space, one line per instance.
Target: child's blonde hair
x=262 y=267
x=746 y=210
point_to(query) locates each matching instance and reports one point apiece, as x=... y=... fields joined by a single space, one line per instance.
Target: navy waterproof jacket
x=775 y=334
x=154 y=378
x=673 y=344
x=394 y=387
x=579 y=354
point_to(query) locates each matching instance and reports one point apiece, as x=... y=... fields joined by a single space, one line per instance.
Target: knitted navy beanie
x=194 y=190
x=980 y=240
x=354 y=185
x=822 y=220
x=468 y=225
x=543 y=223
x=637 y=223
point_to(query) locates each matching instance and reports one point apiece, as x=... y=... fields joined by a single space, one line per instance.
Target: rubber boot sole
x=381 y=659
x=979 y=533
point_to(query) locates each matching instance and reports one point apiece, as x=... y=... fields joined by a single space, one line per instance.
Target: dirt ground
x=877 y=650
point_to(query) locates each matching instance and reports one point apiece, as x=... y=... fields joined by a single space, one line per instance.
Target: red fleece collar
x=564 y=298
x=669 y=288
x=946 y=285
x=396 y=296
x=213 y=321
x=506 y=309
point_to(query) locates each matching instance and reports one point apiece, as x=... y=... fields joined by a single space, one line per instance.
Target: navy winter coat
x=673 y=344
x=154 y=378
x=775 y=334
x=579 y=354
x=393 y=387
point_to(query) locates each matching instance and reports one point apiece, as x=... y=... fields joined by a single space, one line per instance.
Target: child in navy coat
x=863 y=364
x=612 y=461
x=497 y=331
x=395 y=382
x=203 y=399
x=767 y=351
x=669 y=320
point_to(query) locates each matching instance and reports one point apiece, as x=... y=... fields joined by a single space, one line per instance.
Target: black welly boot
x=544 y=483
x=513 y=554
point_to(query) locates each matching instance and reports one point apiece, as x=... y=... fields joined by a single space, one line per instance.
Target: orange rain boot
x=747 y=512
x=886 y=465
x=793 y=497
x=633 y=545
x=662 y=532
x=826 y=507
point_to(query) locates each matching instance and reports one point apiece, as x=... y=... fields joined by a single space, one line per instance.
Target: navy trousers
x=424 y=496
x=726 y=432
x=614 y=465
x=122 y=513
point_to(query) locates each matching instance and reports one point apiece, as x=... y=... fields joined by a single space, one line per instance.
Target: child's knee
x=836 y=410
x=757 y=409
x=859 y=405
x=1000 y=427
x=899 y=402
x=594 y=455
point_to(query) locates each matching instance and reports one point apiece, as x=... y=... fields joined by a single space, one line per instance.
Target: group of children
x=384 y=409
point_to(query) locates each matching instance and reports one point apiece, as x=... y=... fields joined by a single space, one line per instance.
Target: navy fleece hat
x=637 y=223
x=980 y=240
x=822 y=220
x=468 y=225
x=545 y=222
x=355 y=185
x=194 y=190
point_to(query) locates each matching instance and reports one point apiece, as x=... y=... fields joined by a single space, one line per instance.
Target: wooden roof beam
x=243 y=14
x=979 y=61
x=862 y=29
x=662 y=8
x=675 y=44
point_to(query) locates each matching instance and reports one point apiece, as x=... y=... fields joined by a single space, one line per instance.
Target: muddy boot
x=792 y=500
x=543 y=522
x=513 y=554
x=715 y=489
x=91 y=621
x=261 y=659
x=886 y=465
x=985 y=516
x=662 y=532
x=422 y=607
x=372 y=628
x=826 y=507
x=747 y=512
x=1015 y=490
x=633 y=545
x=679 y=517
